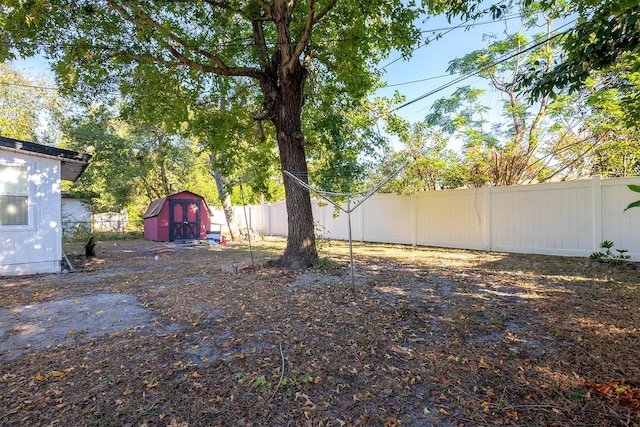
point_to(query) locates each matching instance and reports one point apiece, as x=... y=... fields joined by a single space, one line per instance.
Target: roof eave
x=73 y=163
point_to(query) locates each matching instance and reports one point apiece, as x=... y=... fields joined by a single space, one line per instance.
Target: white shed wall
x=74 y=211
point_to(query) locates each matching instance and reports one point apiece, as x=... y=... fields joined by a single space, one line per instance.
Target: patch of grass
x=101 y=422
x=325 y=264
x=500 y=320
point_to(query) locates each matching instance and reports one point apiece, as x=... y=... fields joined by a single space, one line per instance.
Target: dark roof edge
x=45 y=150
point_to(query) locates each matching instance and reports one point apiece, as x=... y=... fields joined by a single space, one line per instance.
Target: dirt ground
x=198 y=335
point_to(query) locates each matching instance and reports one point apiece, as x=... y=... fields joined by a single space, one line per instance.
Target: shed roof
x=155 y=207
x=73 y=163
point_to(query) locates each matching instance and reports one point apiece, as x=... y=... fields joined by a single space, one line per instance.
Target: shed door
x=184 y=219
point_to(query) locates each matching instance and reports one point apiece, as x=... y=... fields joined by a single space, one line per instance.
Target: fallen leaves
x=53 y=374
x=427 y=337
x=483 y=365
x=617 y=390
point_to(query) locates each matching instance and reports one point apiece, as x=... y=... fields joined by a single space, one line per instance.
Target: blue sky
x=34 y=69
x=429 y=63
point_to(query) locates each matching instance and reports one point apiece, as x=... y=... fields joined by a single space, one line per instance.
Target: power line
x=447 y=30
x=239 y=42
x=426 y=43
x=486 y=67
x=438 y=89
x=418 y=81
x=160 y=43
x=27 y=86
x=465 y=25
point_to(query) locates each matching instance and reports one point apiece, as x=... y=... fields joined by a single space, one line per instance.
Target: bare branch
x=260 y=42
x=306 y=35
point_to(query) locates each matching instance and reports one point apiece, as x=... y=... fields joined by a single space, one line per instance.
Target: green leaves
x=633 y=205
x=635 y=188
x=604 y=32
x=22 y=103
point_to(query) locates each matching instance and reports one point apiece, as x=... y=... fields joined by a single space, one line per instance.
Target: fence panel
x=622 y=228
x=551 y=218
x=386 y=218
x=330 y=222
x=567 y=218
x=270 y=220
x=452 y=218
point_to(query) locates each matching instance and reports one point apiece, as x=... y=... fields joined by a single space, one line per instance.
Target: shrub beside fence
x=565 y=218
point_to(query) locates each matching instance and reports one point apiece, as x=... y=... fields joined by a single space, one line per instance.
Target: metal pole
x=353 y=283
x=246 y=221
x=365 y=195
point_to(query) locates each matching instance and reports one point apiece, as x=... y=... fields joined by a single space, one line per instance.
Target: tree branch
x=311 y=20
x=224 y=6
x=324 y=11
x=260 y=42
x=306 y=33
x=263 y=5
x=220 y=67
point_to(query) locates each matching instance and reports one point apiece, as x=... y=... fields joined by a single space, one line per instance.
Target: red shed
x=181 y=216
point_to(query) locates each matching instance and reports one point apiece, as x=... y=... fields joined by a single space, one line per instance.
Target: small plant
x=500 y=320
x=320 y=231
x=576 y=396
x=76 y=232
x=325 y=264
x=259 y=382
x=617 y=257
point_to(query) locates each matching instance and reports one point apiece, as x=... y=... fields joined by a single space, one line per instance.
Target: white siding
x=76 y=216
x=36 y=247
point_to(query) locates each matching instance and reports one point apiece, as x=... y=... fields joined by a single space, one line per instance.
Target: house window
x=14 y=195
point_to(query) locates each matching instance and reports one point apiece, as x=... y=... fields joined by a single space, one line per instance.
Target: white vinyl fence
x=564 y=218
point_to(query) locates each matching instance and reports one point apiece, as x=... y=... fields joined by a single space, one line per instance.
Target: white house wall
x=74 y=211
x=76 y=216
x=34 y=248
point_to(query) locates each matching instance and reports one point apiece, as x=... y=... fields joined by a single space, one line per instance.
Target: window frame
x=28 y=196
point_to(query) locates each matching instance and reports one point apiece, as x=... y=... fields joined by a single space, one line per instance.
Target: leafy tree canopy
x=606 y=32
x=23 y=105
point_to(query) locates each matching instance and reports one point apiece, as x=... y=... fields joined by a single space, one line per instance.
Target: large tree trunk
x=301 y=243
x=282 y=82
